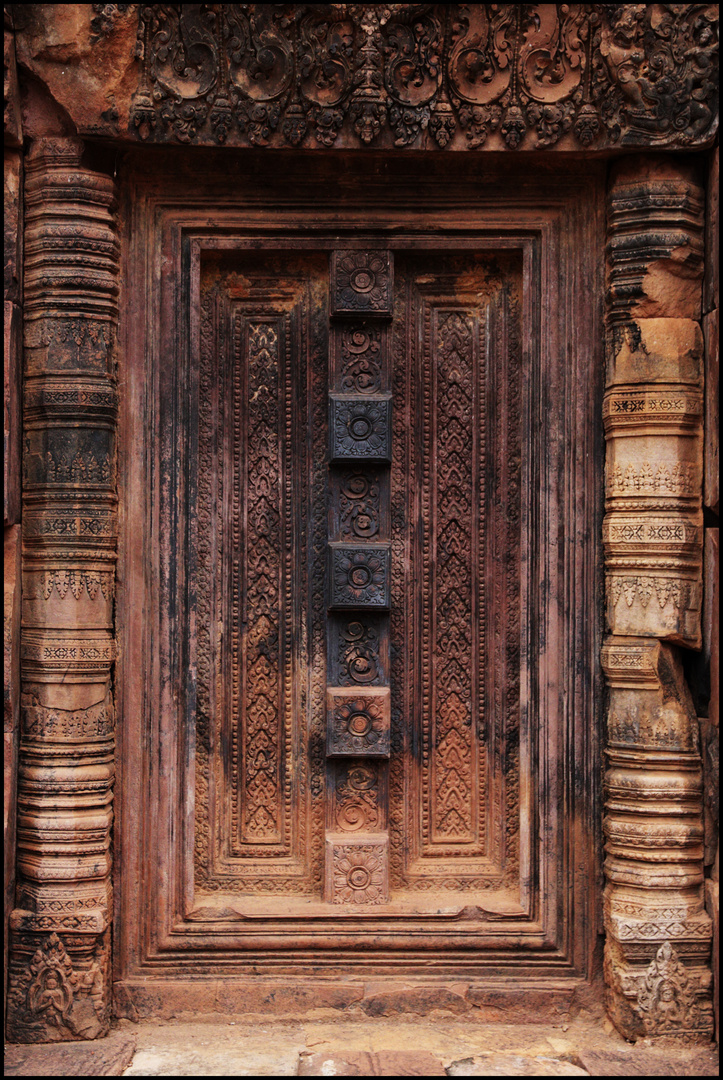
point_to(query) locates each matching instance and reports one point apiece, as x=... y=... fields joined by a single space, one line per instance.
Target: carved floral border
x=522 y=76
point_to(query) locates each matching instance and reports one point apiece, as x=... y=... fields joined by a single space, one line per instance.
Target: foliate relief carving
x=358 y=801
x=77 y=582
x=653 y=783
x=361 y=364
x=65 y=652
x=357 y=873
x=259 y=539
x=359 y=576
x=360 y=428
x=653 y=579
x=95 y=722
x=263 y=601
x=652 y=479
x=359 y=504
x=514 y=75
x=358 y=722
x=357 y=657
x=361 y=282
x=260 y=585
x=451 y=544
x=631 y=662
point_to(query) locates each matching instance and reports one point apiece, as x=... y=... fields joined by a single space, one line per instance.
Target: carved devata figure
x=52 y=1000
x=667 y=998
x=411 y=75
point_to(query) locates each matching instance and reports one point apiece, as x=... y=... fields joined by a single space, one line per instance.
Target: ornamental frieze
x=463 y=76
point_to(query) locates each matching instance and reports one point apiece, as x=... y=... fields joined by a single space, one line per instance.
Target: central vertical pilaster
x=359 y=579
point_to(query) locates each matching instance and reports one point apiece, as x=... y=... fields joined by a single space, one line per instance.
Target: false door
x=361 y=460
x=355 y=548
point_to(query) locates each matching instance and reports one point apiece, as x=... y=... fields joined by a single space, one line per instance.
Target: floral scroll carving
x=417 y=75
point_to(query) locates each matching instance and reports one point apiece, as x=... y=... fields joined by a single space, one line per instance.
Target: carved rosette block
x=357 y=873
x=360 y=576
x=657 y=950
x=360 y=428
x=60 y=946
x=361 y=283
x=358 y=722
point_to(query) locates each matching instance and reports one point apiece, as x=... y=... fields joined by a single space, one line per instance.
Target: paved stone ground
x=326 y=1045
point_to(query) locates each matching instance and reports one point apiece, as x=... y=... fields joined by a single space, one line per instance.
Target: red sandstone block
x=710 y=281
x=12 y=416
x=711 y=420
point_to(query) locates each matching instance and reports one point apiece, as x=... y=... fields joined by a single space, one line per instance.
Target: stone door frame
x=658 y=934
x=550 y=224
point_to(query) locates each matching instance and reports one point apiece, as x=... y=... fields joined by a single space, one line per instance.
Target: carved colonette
x=658 y=934
x=60 y=928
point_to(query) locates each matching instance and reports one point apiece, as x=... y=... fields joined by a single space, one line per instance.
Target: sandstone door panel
x=441 y=786
x=352 y=555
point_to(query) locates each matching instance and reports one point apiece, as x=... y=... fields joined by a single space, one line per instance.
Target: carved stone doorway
x=361 y=744
x=279 y=145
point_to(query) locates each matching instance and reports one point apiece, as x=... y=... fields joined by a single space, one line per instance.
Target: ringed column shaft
x=60 y=928
x=658 y=935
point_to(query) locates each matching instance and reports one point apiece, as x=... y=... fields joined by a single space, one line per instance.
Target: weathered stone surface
x=104 y=1057
x=11 y=715
x=12 y=224
x=711 y=622
x=711 y=421
x=641 y=1061
x=370 y=1063
x=528 y=1006
x=712 y=906
x=655 y=241
x=421 y=1000
x=12 y=419
x=228 y=997
x=12 y=121
x=712 y=235
x=655 y=351
x=709 y=749
x=80 y=79
x=513 y=1065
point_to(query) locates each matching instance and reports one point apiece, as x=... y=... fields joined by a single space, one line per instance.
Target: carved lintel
x=60 y=945
x=463 y=76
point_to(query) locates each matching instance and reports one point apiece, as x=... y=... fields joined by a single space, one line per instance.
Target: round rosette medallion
x=359 y=876
x=362 y=282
